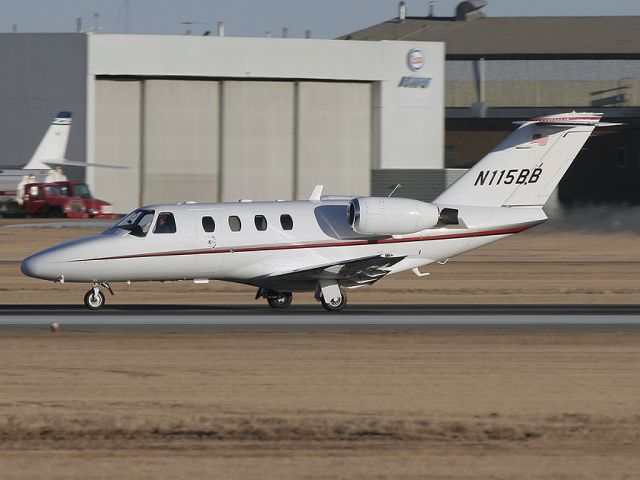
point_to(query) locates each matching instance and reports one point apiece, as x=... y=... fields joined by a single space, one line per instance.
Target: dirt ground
x=545 y=265
x=433 y=403
x=444 y=403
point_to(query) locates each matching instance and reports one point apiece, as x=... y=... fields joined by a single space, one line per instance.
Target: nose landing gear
x=94 y=298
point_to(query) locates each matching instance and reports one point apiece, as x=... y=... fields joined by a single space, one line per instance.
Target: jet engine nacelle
x=391 y=216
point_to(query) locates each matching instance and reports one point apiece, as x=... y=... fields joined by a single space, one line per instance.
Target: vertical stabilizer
x=54 y=143
x=525 y=167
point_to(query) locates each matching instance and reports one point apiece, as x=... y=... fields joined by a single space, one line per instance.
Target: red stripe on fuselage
x=504 y=231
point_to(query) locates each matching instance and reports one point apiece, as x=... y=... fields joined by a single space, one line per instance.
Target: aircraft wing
x=350 y=273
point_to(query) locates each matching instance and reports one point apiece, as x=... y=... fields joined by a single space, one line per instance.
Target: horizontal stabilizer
x=569 y=120
x=72 y=163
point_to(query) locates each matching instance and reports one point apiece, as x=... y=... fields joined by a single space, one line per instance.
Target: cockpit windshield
x=137 y=222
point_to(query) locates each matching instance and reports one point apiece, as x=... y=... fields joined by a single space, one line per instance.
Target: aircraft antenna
x=394 y=189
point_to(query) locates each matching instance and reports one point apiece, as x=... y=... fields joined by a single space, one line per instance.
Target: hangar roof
x=517 y=37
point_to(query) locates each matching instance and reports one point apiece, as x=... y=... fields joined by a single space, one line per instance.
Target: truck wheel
x=54 y=213
x=94 y=301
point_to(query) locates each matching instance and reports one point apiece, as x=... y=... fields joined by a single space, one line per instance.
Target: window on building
x=165 y=223
x=261 y=222
x=208 y=224
x=234 y=223
x=286 y=221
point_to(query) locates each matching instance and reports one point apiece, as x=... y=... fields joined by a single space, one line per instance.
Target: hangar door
x=334 y=138
x=180 y=141
x=257 y=140
x=117 y=142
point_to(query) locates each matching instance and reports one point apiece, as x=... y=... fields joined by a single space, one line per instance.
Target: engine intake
x=393 y=216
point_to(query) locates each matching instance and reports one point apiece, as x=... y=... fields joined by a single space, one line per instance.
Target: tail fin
x=54 y=143
x=525 y=167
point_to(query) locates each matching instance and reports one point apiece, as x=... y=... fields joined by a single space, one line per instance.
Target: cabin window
x=261 y=222
x=286 y=221
x=234 y=223
x=165 y=223
x=208 y=224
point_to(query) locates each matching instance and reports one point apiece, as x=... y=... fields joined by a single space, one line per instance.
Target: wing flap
x=355 y=272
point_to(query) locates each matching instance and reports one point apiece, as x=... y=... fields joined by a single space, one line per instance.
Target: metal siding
x=546 y=83
x=180 y=153
x=420 y=184
x=117 y=142
x=334 y=138
x=257 y=140
x=42 y=74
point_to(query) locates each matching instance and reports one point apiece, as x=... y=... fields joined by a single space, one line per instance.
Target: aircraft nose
x=40 y=265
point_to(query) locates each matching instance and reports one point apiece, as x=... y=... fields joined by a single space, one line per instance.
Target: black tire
x=94 y=302
x=283 y=301
x=54 y=213
x=335 y=307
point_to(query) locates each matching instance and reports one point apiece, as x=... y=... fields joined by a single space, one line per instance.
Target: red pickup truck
x=68 y=199
x=95 y=208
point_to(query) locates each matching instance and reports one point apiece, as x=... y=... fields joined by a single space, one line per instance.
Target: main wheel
x=94 y=301
x=335 y=304
x=283 y=301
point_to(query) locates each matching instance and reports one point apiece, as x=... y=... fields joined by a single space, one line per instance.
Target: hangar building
x=221 y=118
x=501 y=69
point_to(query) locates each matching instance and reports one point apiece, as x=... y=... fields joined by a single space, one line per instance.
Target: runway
x=355 y=316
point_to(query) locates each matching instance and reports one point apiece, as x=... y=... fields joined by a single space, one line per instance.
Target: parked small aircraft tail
x=53 y=146
x=525 y=167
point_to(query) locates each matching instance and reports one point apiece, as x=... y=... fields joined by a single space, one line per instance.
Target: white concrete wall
x=334 y=127
x=409 y=122
x=118 y=142
x=180 y=152
x=258 y=140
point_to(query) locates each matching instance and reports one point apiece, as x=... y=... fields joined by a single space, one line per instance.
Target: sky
x=324 y=18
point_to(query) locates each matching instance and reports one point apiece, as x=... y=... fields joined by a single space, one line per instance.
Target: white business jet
x=326 y=244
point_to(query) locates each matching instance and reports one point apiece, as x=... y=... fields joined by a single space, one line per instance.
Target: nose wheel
x=94 y=298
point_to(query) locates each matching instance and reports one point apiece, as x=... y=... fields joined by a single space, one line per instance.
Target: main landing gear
x=332 y=297
x=276 y=300
x=94 y=298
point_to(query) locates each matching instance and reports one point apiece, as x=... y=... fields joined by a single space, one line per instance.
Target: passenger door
x=207 y=256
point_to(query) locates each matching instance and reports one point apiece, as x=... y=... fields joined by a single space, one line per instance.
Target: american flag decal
x=540 y=140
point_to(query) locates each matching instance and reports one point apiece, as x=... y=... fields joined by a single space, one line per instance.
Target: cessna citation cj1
x=327 y=243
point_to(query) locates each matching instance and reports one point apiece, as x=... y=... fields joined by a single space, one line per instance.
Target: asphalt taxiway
x=354 y=316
